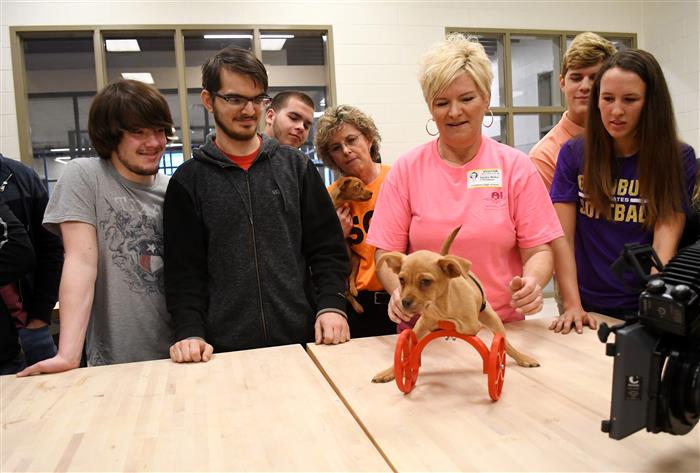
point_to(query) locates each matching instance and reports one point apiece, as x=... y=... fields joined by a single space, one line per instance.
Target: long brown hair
x=660 y=168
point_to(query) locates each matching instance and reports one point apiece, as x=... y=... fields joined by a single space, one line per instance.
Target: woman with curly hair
x=347 y=140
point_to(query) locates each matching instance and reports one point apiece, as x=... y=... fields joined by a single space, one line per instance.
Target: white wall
x=376 y=44
x=671 y=34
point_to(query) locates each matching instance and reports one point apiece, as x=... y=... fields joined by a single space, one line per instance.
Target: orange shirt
x=545 y=153
x=244 y=162
x=361 y=216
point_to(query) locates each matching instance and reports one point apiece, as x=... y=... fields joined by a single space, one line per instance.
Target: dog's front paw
x=384 y=376
x=528 y=362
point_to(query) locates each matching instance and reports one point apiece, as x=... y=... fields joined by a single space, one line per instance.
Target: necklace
x=457 y=160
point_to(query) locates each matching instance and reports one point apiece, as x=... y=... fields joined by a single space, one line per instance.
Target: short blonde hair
x=451 y=57
x=587 y=49
x=332 y=120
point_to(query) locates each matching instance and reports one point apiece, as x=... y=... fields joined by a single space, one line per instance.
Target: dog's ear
x=344 y=183
x=394 y=260
x=454 y=266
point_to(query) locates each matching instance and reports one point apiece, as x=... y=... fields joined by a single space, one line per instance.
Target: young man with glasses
x=245 y=219
x=289 y=118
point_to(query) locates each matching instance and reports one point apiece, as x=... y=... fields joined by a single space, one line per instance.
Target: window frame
x=19 y=33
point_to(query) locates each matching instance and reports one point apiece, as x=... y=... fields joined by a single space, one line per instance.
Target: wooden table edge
x=352 y=412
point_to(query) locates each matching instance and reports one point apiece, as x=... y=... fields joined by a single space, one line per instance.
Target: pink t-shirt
x=545 y=153
x=497 y=197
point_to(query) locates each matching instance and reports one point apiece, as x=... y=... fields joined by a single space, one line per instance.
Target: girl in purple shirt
x=627 y=181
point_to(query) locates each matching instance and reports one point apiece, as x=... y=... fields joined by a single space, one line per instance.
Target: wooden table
x=267 y=409
x=547 y=419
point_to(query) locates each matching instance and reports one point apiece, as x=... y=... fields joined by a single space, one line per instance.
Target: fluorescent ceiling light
x=318 y=114
x=62 y=159
x=59 y=150
x=276 y=36
x=141 y=76
x=272 y=44
x=122 y=45
x=228 y=36
x=268 y=42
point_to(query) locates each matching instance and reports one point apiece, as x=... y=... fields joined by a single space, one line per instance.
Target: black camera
x=656 y=372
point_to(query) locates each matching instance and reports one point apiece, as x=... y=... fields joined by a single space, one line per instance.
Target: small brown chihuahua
x=351 y=189
x=441 y=287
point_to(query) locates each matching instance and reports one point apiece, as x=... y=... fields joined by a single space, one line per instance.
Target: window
x=525 y=97
x=59 y=85
x=62 y=70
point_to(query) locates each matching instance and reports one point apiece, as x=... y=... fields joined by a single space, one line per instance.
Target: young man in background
x=582 y=60
x=289 y=118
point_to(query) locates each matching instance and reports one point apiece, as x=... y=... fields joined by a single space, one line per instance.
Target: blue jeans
x=13 y=366
x=37 y=344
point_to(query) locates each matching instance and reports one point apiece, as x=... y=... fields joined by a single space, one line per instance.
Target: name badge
x=479 y=178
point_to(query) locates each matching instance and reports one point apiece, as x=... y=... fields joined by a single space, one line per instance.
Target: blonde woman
x=463 y=177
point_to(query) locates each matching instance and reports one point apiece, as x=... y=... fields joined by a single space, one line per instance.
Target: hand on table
x=573 y=318
x=331 y=328
x=191 y=350
x=56 y=364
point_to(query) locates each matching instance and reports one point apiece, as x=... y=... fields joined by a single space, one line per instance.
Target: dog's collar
x=481 y=290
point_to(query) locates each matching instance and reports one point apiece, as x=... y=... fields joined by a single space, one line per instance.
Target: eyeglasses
x=240 y=101
x=350 y=141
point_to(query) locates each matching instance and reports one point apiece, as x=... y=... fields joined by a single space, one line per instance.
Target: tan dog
x=351 y=189
x=441 y=287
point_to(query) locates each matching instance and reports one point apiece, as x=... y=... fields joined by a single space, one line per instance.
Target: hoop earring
x=492 y=119
x=437 y=132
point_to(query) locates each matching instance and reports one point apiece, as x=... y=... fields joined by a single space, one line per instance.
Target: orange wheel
x=497 y=366
x=405 y=374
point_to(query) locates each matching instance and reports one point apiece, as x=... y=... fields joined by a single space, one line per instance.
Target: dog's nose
x=406 y=303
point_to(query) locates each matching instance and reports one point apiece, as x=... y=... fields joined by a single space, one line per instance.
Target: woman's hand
x=345 y=218
x=395 y=310
x=576 y=317
x=526 y=295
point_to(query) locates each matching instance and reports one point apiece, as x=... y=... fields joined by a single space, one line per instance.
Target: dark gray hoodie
x=239 y=246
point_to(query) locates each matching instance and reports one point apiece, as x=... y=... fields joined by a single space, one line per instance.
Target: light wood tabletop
x=267 y=409
x=547 y=419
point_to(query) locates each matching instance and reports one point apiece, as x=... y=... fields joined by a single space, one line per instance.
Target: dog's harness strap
x=481 y=290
